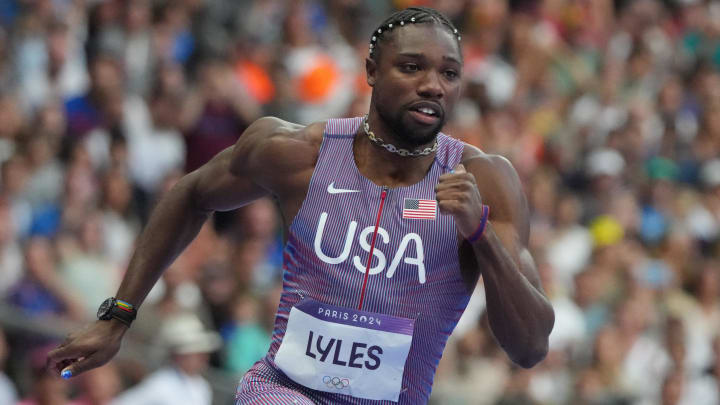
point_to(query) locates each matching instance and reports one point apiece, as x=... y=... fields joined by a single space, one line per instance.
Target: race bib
x=345 y=351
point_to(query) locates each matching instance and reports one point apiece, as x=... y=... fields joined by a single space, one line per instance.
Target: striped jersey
x=414 y=272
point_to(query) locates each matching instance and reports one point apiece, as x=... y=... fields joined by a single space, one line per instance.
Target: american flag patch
x=419 y=209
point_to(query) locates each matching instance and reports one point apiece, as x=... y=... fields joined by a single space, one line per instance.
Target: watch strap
x=123 y=311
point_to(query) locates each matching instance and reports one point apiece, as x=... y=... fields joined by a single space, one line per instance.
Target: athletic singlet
x=415 y=270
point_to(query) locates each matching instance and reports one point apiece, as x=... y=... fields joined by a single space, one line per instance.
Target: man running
x=389 y=224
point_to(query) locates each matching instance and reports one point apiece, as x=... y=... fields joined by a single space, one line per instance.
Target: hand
x=457 y=194
x=86 y=349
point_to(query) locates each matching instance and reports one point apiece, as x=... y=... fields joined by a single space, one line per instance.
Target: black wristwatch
x=113 y=308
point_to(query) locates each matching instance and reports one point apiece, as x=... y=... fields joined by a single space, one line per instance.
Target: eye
x=409 y=67
x=451 y=74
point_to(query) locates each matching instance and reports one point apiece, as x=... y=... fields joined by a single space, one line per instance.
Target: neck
x=381 y=129
x=386 y=168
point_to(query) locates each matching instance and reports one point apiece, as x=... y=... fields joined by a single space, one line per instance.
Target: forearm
x=519 y=314
x=174 y=223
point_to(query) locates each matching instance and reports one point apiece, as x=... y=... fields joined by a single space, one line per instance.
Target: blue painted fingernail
x=66 y=374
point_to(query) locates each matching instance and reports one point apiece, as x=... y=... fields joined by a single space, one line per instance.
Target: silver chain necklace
x=394 y=149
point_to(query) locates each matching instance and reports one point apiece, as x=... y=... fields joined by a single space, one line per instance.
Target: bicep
x=509 y=213
x=252 y=168
x=218 y=188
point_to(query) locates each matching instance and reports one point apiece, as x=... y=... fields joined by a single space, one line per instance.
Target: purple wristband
x=481 y=228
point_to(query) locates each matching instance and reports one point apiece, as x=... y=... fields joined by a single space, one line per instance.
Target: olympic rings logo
x=336 y=382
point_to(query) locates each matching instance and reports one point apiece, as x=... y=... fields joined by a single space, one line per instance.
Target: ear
x=371 y=71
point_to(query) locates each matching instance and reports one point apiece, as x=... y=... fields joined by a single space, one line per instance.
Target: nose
x=430 y=86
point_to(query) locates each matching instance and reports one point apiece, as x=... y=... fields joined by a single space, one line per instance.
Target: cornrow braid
x=410 y=15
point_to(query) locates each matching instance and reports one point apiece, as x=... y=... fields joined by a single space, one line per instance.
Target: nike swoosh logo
x=332 y=190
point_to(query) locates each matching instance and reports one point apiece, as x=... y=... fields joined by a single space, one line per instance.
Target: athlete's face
x=416 y=80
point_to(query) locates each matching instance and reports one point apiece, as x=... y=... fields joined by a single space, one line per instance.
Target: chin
x=416 y=134
x=410 y=132
x=419 y=139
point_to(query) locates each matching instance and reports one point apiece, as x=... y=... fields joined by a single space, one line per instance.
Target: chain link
x=394 y=149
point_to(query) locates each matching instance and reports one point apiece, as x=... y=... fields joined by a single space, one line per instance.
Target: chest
x=397 y=232
x=338 y=220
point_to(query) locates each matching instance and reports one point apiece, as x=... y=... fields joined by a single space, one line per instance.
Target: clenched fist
x=457 y=194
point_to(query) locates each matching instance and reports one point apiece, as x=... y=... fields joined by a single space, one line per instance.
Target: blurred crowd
x=609 y=110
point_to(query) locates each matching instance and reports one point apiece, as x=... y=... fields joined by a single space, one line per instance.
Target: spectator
x=14 y=179
x=215 y=113
x=706 y=389
x=42 y=292
x=245 y=338
x=12 y=123
x=51 y=64
x=8 y=393
x=153 y=157
x=120 y=225
x=99 y=386
x=139 y=57
x=607 y=109
x=11 y=260
x=85 y=269
x=188 y=344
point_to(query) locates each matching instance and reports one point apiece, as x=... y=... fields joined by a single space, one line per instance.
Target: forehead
x=429 y=39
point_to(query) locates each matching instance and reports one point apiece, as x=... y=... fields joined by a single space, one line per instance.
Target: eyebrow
x=422 y=56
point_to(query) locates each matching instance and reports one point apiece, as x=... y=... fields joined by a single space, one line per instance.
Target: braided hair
x=410 y=15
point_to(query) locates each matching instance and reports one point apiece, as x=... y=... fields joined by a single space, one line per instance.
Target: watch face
x=104 y=310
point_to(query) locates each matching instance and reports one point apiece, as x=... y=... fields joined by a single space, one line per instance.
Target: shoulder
x=499 y=185
x=270 y=140
x=277 y=131
x=277 y=154
x=493 y=167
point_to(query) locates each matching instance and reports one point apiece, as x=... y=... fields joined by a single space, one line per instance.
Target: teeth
x=426 y=110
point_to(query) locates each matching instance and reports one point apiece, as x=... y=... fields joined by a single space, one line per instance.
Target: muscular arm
x=178 y=218
x=234 y=177
x=519 y=314
x=231 y=179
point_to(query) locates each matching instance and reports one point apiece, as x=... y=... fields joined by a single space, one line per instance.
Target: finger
x=83 y=365
x=449 y=206
x=460 y=168
x=451 y=195
x=55 y=366
x=454 y=184
x=64 y=352
x=69 y=338
x=59 y=367
x=447 y=177
x=59 y=358
x=452 y=176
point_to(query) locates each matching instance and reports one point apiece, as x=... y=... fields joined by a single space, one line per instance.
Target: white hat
x=184 y=333
x=605 y=161
x=710 y=173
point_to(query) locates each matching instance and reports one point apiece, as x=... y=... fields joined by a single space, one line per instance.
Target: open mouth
x=427 y=111
x=425 y=114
